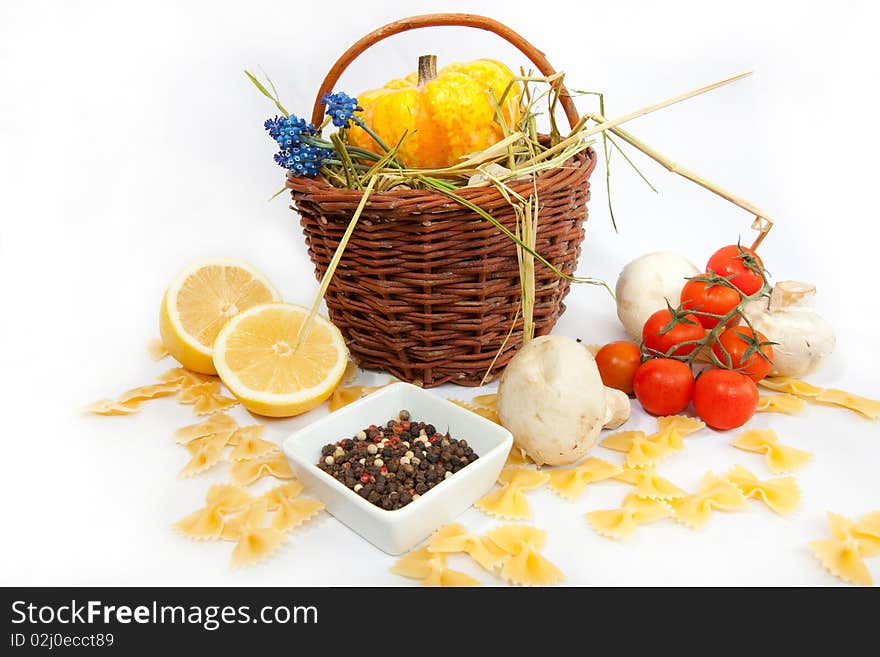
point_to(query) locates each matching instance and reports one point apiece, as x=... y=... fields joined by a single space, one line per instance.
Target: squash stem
x=427 y=69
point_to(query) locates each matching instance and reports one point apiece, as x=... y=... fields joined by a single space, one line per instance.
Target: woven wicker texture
x=426 y=289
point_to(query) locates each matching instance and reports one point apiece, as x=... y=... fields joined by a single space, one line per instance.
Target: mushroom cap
x=551 y=398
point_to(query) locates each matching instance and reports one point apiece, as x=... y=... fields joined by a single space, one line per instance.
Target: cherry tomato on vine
x=742 y=264
x=725 y=399
x=663 y=386
x=664 y=330
x=708 y=297
x=749 y=351
x=618 y=362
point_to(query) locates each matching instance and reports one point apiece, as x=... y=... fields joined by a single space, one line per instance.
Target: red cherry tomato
x=660 y=335
x=663 y=386
x=737 y=342
x=741 y=263
x=725 y=399
x=709 y=298
x=618 y=362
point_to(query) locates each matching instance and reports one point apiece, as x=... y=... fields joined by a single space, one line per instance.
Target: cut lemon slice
x=254 y=356
x=200 y=300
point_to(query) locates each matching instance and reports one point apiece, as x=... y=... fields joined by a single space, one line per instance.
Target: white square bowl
x=398 y=531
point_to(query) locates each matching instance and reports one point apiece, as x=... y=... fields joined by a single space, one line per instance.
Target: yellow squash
x=447 y=114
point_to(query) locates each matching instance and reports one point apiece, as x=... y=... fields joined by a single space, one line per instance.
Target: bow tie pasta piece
x=272 y=465
x=156 y=349
x=419 y=564
x=510 y=501
x=143 y=393
x=781 y=494
x=184 y=378
x=444 y=577
x=525 y=566
x=207 y=523
x=650 y=485
x=256 y=542
x=781 y=403
x=431 y=569
x=217 y=423
x=130 y=401
x=842 y=559
x=275 y=496
x=714 y=493
x=455 y=538
x=228 y=497
x=205 y=398
x=867 y=532
x=622 y=522
x=622 y=441
x=672 y=428
x=530 y=568
x=780 y=458
x=870 y=408
x=647 y=451
x=790 y=385
x=112 y=407
x=249 y=443
x=206 y=452
x=571 y=482
x=295 y=511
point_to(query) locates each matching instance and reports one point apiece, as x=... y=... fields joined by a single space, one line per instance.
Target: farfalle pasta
x=207 y=523
x=622 y=441
x=781 y=494
x=780 y=458
x=781 y=403
x=455 y=538
x=271 y=465
x=249 y=443
x=290 y=509
x=184 y=377
x=842 y=554
x=571 y=482
x=650 y=485
x=130 y=401
x=525 y=566
x=205 y=398
x=869 y=408
x=344 y=395
x=622 y=522
x=205 y=452
x=510 y=501
x=217 y=423
x=255 y=541
x=714 y=494
x=430 y=568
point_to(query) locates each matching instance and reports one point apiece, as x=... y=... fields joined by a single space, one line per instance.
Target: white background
x=131 y=143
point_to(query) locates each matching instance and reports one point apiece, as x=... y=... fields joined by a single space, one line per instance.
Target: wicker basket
x=426 y=289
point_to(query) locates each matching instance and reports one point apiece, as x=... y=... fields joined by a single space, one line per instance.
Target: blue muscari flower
x=300 y=158
x=303 y=160
x=340 y=108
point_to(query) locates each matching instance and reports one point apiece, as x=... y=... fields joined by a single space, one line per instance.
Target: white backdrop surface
x=131 y=143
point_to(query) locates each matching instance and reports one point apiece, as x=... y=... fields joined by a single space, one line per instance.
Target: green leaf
x=266 y=92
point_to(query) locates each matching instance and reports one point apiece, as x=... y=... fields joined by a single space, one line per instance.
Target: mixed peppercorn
x=393 y=465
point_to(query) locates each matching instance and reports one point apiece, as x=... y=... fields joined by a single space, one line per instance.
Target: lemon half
x=200 y=300
x=256 y=356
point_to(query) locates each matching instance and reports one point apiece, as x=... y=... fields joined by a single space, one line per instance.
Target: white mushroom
x=552 y=400
x=646 y=284
x=804 y=340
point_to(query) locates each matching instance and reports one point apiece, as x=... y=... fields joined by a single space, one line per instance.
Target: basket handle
x=435 y=20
